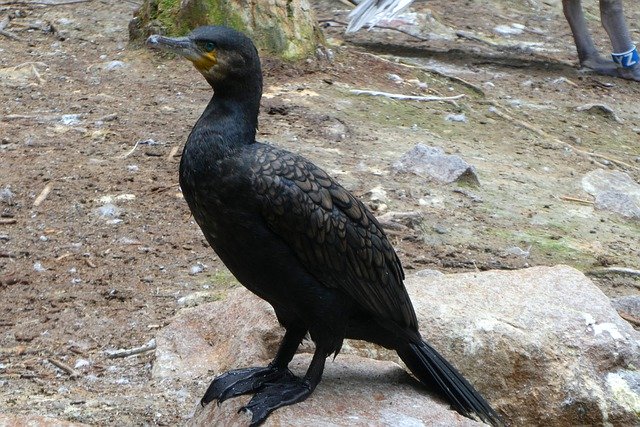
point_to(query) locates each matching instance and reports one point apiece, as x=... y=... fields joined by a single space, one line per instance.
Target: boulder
x=14 y=420
x=433 y=164
x=285 y=28
x=544 y=345
x=614 y=191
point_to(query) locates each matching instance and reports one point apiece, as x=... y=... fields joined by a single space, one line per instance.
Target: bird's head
x=221 y=54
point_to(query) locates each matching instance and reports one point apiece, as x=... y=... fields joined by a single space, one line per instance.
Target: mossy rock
x=285 y=28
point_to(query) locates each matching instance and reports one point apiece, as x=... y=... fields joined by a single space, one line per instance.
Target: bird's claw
x=243 y=381
x=274 y=396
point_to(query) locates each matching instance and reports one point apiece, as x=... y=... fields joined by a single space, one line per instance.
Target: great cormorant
x=296 y=238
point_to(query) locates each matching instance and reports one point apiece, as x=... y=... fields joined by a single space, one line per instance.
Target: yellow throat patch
x=206 y=61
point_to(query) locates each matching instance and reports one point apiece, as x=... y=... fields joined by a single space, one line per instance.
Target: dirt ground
x=97 y=246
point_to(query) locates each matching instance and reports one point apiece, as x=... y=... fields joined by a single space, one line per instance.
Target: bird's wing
x=333 y=234
x=370 y=12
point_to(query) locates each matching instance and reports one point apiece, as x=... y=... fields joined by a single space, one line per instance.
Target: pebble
x=37 y=266
x=114 y=65
x=456 y=118
x=6 y=195
x=198 y=268
x=108 y=211
x=82 y=363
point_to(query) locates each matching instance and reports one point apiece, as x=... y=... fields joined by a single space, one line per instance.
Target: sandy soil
x=97 y=245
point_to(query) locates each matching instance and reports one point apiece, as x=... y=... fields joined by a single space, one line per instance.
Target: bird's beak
x=182 y=46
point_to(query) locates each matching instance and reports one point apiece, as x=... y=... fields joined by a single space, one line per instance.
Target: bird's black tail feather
x=434 y=370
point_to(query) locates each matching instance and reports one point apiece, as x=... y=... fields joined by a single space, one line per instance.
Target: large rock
x=354 y=391
x=287 y=28
x=14 y=420
x=614 y=191
x=432 y=164
x=544 y=345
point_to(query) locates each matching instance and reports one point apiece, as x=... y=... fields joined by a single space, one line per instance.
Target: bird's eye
x=209 y=46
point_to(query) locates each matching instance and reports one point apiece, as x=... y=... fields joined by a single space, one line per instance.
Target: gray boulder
x=431 y=163
x=543 y=345
x=614 y=191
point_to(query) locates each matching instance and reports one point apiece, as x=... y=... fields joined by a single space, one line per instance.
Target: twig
x=630 y=318
x=89 y=263
x=405 y=64
x=41 y=2
x=173 y=152
x=614 y=270
x=3 y=24
x=68 y=369
x=43 y=194
x=114 y=354
x=495 y=109
x=6 y=221
x=132 y=150
x=575 y=199
x=405 y=97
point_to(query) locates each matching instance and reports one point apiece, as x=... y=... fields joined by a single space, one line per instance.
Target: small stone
x=456 y=118
x=6 y=195
x=196 y=269
x=70 y=119
x=395 y=78
x=432 y=163
x=115 y=65
x=82 y=363
x=37 y=266
x=109 y=211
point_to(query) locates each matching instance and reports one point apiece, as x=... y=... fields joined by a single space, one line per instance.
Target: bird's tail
x=434 y=370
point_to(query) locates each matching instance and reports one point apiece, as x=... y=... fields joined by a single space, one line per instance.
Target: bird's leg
x=587 y=52
x=250 y=380
x=286 y=392
x=612 y=16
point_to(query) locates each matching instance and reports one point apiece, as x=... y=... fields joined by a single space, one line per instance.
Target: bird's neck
x=230 y=120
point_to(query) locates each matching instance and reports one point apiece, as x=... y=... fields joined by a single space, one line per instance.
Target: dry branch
x=68 y=369
x=577 y=200
x=41 y=2
x=495 y=109
x=614 y=270
x=114 y=354
x=173 y=152
x=405 y=97
x=43 y=194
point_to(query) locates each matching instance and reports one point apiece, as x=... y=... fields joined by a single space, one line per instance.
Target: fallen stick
x=173 y=152
x=495 y=109
x=575 y=199
x=115 y=354
x=630 y=318
x=41 y=2
x=405 y=97
x=614 y=270
x=68 y=369
x=5 y=221
x=3 y=24
x=43 y=194
x=132 y=150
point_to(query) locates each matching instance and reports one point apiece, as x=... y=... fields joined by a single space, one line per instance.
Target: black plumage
x=296 y=238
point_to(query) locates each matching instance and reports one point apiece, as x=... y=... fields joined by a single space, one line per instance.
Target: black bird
x=294 y=237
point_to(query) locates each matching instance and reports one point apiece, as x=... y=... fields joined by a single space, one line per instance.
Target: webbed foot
x=276 y=395
x=243 y=381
